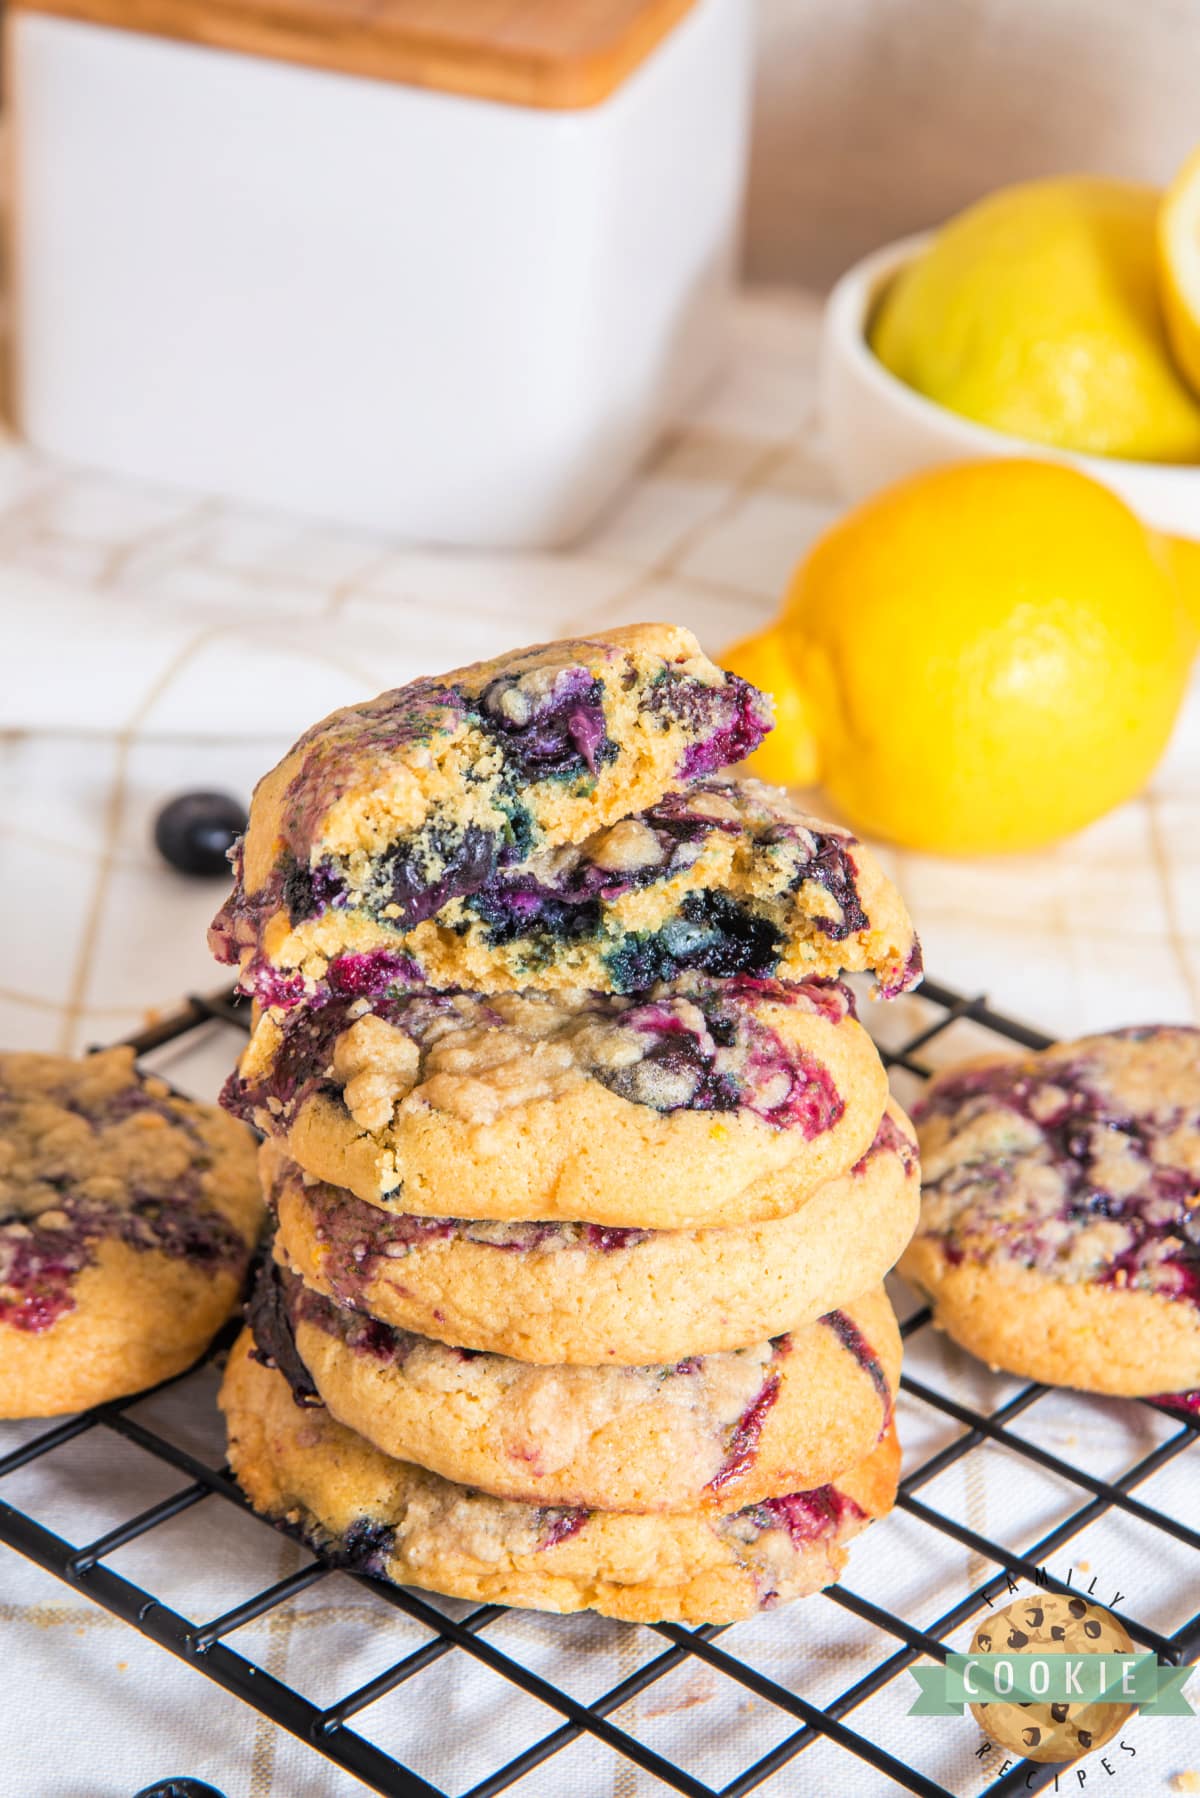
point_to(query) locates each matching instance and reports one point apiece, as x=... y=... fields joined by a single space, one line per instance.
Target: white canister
x=439 y=283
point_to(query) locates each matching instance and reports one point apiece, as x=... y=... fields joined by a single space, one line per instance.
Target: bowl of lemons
x=1058 y=317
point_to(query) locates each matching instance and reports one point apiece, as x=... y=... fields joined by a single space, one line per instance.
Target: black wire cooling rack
x=341 y=1730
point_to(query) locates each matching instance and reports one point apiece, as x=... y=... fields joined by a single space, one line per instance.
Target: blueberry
x=179 y=1788
x=196 y=831
x=368 y=1546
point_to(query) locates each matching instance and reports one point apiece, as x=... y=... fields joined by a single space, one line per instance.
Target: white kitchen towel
x=93 y=1709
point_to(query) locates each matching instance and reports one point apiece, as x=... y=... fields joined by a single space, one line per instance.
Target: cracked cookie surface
x=1060 y=1223
x=324 y=1483
x=595 y=1295
x=127 y=1220
x=706 y=1433
x=672 y=1110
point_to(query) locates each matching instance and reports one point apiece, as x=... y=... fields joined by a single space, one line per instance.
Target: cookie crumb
x=1188 y=1781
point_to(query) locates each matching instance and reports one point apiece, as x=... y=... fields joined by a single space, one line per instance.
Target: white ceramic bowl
x=879 y=430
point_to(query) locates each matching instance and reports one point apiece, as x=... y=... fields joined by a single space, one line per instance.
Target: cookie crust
x=1125 y=1344
x=319 y=1480
x=675 y=1111
x=138 y=1318
x=593 y=1296
x=708 y=1433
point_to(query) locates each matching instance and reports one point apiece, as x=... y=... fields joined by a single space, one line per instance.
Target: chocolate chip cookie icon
x=1051 y=1623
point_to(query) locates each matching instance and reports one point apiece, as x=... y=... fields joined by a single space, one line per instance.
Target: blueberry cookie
x=676 y=1110
x=592 y=1295
x=127 y=1219
x=1060 y=1225
x=318 y=1480
x=723 y=877
x=387 y=810
x=711 y=1432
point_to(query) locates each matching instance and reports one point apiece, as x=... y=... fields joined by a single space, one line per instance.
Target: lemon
x=1037 y=312
x=1179 y=267
x=1180 y=556
x=983 y=657
x=788 y=756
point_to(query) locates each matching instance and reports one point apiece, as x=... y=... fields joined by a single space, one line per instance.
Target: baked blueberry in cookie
x=127 y=1219
x=722 y=877
x=726 y=877
x=323 y=1482
x=704 y=1433
x=1060 y=1223
x=386 y=811
x=663 y=1110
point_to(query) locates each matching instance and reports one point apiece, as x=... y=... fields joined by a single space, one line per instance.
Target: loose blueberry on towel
x=196 y=831
x=179 y=1788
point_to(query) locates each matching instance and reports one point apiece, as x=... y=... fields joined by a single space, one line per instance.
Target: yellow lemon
x=788 y=757
x=983 y=657
x=1181 y=558
x=1037 y=312
x=1179 y=267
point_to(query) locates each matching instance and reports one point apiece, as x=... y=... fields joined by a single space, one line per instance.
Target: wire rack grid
x=341 y=1729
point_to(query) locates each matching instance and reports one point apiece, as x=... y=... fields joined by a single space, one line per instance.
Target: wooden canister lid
x=543 y=53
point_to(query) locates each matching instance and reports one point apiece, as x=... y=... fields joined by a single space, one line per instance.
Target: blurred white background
x=874 y=118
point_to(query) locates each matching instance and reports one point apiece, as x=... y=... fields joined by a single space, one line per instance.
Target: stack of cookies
x=585 y=1176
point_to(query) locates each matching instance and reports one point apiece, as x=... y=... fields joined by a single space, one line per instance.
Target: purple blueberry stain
x=567 y=905
x=44 y=1249
x=728 y=722
x=806 y=1516
x=361 y=1241
x=367 y=1547
x=413 y=881
x=557 y=1524
x=857 y=1346
x=39 y=1262
x=268 y=1313
x=832 y=867
x=889 y=1139
x=1070 y=1126
x=741 y=1450
x=1185 y=1404
x=910 y=974
x=310 y=892
x=534 y=906
x=703 y=1046
x=280 y=1303
x=39 y=1267
x=610 y=1239
x=545 y=732
x=367 y=975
